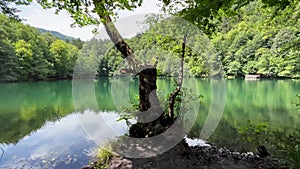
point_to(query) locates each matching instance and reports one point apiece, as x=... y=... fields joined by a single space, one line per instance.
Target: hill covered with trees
x=255 y=40
x=27 y=54
x=57 y=34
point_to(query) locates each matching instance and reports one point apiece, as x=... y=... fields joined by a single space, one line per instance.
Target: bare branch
x=179 y=85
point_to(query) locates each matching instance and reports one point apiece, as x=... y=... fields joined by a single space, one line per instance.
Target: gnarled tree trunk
x=147 y=79
x=147 y=84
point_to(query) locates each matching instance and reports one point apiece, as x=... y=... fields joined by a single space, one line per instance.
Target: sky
x=36 y=16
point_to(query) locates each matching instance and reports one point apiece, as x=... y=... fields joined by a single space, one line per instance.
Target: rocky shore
x=195 y=157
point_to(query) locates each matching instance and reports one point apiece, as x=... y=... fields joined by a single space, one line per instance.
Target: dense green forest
x=255 y=40
x=27 y=54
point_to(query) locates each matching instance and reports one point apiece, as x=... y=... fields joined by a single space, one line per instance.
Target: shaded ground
x=196 y=157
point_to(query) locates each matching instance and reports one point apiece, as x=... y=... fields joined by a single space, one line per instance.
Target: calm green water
x=39 y=123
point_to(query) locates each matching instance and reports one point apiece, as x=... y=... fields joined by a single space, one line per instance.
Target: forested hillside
x=261 y=40
x=56 y=34
x=255 y=40
x=27 y=54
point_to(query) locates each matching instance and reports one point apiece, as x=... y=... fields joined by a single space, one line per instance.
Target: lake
x=42 y=123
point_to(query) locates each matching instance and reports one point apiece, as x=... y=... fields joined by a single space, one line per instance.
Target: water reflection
x=61 y=144
x=38 y=126
x=26 y=107
x=55 y=145
x=102 y=127
x=260 y=112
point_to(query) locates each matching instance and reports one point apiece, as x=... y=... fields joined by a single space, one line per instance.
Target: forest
x=257 y=39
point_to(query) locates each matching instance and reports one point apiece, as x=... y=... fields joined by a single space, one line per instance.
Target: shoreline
x=158 y=77
x=196 y=156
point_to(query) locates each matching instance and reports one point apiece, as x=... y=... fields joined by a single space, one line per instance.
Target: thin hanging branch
x=179 y=85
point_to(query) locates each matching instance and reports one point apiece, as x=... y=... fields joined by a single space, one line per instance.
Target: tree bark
x=116 y=38
x=147 y=84
x=147 y=74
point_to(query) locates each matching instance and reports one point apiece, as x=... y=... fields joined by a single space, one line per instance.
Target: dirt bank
x=196 y=157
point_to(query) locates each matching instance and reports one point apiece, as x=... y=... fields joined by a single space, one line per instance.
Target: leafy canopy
x=83 y=11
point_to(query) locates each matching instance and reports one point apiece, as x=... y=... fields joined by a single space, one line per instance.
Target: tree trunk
x=149 y=105
x=147 y=84
x=150 y=116
x=147 y=76
x=117 y=39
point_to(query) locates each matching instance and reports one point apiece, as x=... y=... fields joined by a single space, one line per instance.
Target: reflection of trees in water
x=298 y=100
x=283 y=143
x=26 y=107
x=270 y=107
x=17 y=126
